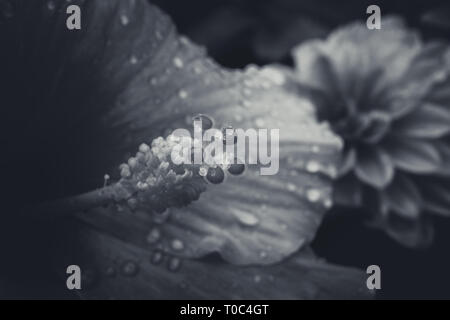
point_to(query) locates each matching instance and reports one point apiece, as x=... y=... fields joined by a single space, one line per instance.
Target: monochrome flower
x=386 y=93
x=126 y=81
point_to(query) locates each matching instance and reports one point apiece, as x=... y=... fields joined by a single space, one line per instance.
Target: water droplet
x=178 y=62
x=197 y=70
x=124 y=20
x=133 y=60
x=291 y=187
x=174 y=264
x=315 y=149
x=215 y=175
x=236 y=168
x=263 y=254
x=257 y=278
x=246 y=103
x=203 y=171
x=183 y=94
x=153 y=236
x=144 y=148
x=157 y=257
x=260 y=123
x=313 y=195
x=207 y=122
x=177 y=245
x=328 y=203
x=313 y=166
x=247 y=219
x=130 y=268
x=247 y=92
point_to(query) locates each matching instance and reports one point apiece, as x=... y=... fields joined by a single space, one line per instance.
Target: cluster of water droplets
x=156 y=183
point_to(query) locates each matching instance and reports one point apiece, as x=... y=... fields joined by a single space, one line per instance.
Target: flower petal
x=443 y=146
x=118 y=270
x=374 y=167
x=403 y=197
x=348 y=162
x=414 y=156
x=315 y=69
x=348 y=191
x=411 y=233
x=436 y=194
x=428 y=121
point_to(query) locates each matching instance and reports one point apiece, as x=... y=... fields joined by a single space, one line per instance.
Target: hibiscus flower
x=386 y=93
x=125 y=81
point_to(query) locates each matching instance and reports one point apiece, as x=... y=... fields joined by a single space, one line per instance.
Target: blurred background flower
x=391 y=105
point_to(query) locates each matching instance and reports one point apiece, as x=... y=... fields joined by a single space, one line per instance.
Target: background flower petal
x=413 y=156
x=428 y=121
x=403 y=197
x=374 y=167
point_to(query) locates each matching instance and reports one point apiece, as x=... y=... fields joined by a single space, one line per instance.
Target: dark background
x=240 y=32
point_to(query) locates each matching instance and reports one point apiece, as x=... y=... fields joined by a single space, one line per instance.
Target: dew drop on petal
x=313 y=166
x=130 y=268
x=133 y=59
x=246 y=104
x=236 y=169
x=174 y=264
x=291 y=187
x=153 y=236
x=203 y=171
x=215 y=175
x=207 y=122
x=124 y=20
x=178 y=62
x=247 y=219
x=177 y=245
x=260 y=123
x=183 y=94
x=315 y=149
x=157 y=257
x=198 y=70
x=328 y=203
x=313 y=195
